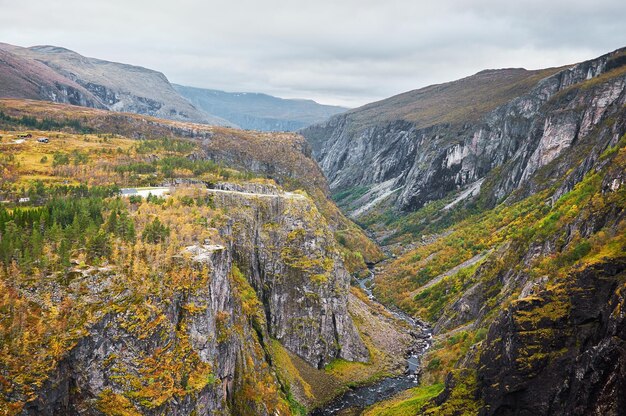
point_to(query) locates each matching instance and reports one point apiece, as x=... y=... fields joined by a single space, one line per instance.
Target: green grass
x=403 y=406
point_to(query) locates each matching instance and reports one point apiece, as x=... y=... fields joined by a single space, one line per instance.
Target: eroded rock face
x=570 y=361
x=285 y=248
x=411 y=164
x=275 y=273
x=104 y=362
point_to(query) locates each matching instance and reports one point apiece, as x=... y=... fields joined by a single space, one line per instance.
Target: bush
x=60 y=159
x=434 y=364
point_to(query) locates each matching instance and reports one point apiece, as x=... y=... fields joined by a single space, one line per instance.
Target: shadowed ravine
x=355 y=400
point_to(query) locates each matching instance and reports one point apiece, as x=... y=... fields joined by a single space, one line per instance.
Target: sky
x=342 y=52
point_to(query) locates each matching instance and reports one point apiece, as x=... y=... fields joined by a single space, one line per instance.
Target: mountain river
x=358 y=398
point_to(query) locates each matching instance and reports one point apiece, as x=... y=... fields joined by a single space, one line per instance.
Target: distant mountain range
x=58 y=74
x=259 y=111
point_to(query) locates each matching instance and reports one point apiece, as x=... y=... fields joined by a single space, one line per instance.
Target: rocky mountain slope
x=228 y=296
x=256 y=111
x=507 y=224
x=25 y=78
x=61 y=75
x=427 y=144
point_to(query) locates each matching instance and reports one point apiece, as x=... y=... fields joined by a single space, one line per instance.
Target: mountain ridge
x=117 y=86
x=446 y=148
x=506 y=224
x=259 y=111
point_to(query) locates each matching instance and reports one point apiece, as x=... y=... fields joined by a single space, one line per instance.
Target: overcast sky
x=346 y=52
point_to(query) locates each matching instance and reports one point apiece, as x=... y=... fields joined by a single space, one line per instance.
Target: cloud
x=335 y=51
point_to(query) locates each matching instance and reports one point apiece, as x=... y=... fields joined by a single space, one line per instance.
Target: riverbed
x=358 y=398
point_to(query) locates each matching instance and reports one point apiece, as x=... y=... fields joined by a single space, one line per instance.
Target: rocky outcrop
x=286 y=249
x=571 y=361
x=118 y=358
x=410 y=162
x=273 y=273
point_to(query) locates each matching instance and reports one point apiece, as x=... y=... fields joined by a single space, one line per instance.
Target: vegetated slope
x=112 y=85
x=463 y=100
x=536 y=325
x=524 y=279
x=213 y=300
x=452 y=135
x=284 y=157
x=257 y=111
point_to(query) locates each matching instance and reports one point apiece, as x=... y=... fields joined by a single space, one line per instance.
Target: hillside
x=507 y=229
x=25 y=78
x=526 y=298
x=256 y=111
x=463 y=100
x=427 y=144
x=229 y=293
x=283 y=157
x=61 y=75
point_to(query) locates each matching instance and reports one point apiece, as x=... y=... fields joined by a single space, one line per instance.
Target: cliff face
x=118 y=352
x=416 y=158
x=288 y=251
x=527 y=297
x=507 y=221
x=570 y=363
x=272 y=273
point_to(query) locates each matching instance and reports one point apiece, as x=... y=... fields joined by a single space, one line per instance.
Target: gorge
x=457 y=249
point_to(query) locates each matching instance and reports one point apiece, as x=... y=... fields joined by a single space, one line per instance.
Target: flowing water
x=359 y=398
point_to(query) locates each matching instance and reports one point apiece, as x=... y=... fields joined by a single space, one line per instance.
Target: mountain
x=26 y=78
x=61 y=75
x=427 y=143
x=230 y=295
x=256 y=111
x=404 y=136
x=502 y=197
x=58 y=74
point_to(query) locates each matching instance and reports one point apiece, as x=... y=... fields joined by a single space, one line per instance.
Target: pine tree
x=98 y=246
x=155 y=232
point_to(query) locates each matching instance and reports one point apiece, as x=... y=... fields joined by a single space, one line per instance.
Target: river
x=358 y=398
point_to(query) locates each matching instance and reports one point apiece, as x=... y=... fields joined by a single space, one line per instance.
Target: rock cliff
x=415 y=156
x=504 y=207
x=289 y=254
x=198 y=341
x=571 y=363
